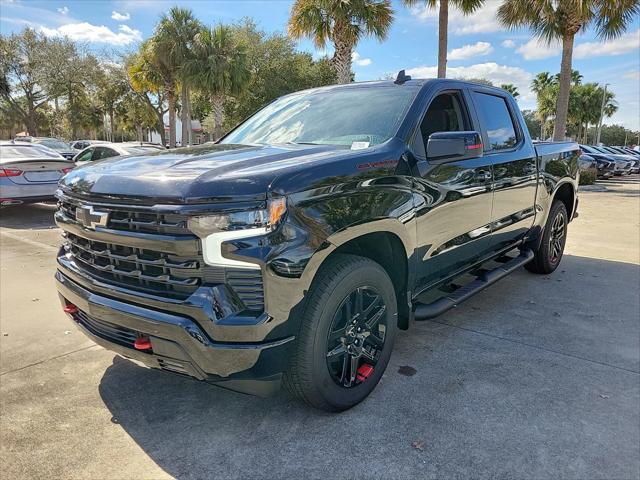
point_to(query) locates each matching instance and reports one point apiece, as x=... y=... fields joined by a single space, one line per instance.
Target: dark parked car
x=53 y=143
x=29 y=172
x=100 y=151
x=294 y=249
x=622 y=165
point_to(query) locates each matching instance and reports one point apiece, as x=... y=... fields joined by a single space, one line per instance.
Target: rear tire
x=340 y=354
x=549 y=253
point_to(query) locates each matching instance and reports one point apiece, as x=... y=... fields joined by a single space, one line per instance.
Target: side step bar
x=424 y=311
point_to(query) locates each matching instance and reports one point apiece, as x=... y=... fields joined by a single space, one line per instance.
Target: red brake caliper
x=364 y=372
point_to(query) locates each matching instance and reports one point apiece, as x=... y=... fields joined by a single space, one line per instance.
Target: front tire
x=549 y=253
x=346 y=334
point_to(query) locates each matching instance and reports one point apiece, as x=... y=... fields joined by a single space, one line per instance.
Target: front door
x=453 y=199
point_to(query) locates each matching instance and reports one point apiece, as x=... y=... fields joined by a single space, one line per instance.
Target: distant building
x=198 y=136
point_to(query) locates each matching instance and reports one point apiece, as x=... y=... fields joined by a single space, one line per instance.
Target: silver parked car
x=29 y=172
x=100 y=151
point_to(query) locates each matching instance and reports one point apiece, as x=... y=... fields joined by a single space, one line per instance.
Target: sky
x=478 y=45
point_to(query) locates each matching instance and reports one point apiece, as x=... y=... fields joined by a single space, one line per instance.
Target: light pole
x=604 y=99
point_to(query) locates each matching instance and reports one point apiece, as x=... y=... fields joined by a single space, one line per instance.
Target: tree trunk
x=342 y=60
x=443 y=31
x=111 y=126
x=189 y=129
x=217 y=109
x=72 y=116
x=184 y=115
x=562 y=107
x=171 y=100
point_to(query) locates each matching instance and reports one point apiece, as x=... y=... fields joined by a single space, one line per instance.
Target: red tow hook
x=142 y=343
x=70 y=308
x=364 y=372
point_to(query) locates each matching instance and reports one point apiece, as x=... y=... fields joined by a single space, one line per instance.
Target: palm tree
x=341 y=22
x=511 y=88
x=179 y=28
x=146 y=81
x=465 y=6
x=540 y=86
x=562 y=20
x=218 y=68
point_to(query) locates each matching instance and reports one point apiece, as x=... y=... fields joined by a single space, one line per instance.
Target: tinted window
x=496 y=120
x=445 y=114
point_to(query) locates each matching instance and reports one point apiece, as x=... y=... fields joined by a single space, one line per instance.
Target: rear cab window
x=496 y=122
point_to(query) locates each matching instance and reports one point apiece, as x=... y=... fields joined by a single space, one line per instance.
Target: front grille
x=151 y=271
x=141 y=269
x=121 y=218
x=109 y=331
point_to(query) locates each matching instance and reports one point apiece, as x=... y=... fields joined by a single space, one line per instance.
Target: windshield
x=52 y=143
x=355 y=117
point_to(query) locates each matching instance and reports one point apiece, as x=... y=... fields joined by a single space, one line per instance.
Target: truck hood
x=205 y=173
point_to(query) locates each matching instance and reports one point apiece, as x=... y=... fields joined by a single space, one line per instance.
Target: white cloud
x=536 y=49
x=120 y=17
x=95 y=33
x=624 y=44
x=63 y=10
x=509 y=44
x=359 y=61
x=478 y=49
x=498 y=74
x=484 y=20
x=632 y=75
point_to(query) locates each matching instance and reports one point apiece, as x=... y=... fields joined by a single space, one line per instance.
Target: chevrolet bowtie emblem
x=91 y=218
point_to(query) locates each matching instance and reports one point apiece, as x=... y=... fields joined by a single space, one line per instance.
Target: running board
x=424 y=311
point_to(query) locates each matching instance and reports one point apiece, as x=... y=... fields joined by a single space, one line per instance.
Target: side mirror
x=454 y=146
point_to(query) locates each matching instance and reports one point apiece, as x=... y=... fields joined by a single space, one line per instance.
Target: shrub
x=587 y=177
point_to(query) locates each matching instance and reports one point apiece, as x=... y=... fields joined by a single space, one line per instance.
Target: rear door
x=453 y=199
x=510 y=151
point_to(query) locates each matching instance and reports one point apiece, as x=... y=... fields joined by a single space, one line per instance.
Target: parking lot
x=536 y=377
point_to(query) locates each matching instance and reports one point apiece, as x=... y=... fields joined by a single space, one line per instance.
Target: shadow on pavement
x=31 y=216
x=536 y=377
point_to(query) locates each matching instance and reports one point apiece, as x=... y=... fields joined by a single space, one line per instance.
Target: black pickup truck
x=292 y=251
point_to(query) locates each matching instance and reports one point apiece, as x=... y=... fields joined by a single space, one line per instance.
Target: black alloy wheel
x=557 y=237
x=356 y=337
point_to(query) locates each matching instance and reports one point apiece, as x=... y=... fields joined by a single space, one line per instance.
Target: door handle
x=483 y=176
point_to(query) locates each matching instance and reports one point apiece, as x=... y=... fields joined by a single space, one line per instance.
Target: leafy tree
x=511 y=88
x=532 y=121
x=22 y=74
x=465 y=6
x=341 y=22
x=219 y=68
x=268 y=56
x=160 y=65
x=562 y=20
x=148 y=85
x=180 y=28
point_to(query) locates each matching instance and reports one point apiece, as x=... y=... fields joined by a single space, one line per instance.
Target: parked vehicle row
x=613 y=160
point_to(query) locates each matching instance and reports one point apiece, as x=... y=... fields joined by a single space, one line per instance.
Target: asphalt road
x=536 y=377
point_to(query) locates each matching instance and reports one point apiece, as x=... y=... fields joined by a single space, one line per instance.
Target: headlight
x=268 y=218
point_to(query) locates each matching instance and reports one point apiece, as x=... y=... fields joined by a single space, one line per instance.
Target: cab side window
x=445 y=114
x=496 y=118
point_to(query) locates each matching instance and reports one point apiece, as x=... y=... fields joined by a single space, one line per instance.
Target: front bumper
x=179 y=344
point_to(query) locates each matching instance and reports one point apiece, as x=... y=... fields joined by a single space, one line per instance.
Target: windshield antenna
x=401 y=78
